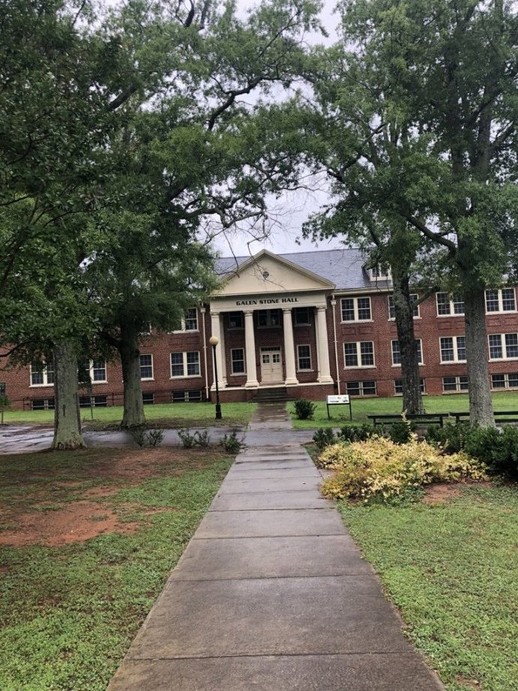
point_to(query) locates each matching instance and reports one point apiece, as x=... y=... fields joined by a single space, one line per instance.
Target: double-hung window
x=185 y=364
x=503 y=346
x=415 y=307
x=42 y=374
x=502 y=300
x=237 y=356
x=359 y=354
x=449 y=305
x=146 y=367
x=396 y=352
x=453 y=349
x=356 y=309
x=303 y=357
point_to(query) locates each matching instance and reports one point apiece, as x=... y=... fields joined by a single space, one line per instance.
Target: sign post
x=339 y=399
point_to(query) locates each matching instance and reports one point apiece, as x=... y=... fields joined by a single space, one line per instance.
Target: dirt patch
x=75 y=522
x=441 y=492
x=42 y=518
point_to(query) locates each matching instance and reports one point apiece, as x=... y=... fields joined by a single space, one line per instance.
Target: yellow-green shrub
x=380 y=468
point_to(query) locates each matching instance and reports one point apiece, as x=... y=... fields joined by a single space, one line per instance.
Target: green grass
x=361 y=407
x=451 y=570
x=169 y=415
x=69 y=613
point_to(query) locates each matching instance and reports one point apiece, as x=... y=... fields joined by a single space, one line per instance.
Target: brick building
x=306 y=324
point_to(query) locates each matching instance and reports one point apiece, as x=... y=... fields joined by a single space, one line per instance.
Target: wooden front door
x=271 y=366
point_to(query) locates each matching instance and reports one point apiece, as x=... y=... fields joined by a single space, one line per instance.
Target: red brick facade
x=355 y=326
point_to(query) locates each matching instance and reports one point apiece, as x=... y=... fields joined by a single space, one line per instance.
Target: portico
x=270 y=319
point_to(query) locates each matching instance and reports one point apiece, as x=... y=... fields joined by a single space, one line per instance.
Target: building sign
x=266 y=301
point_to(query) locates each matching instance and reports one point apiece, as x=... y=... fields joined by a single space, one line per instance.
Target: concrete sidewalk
x=271 y=592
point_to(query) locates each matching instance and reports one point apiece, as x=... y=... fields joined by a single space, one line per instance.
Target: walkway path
x=271 y=593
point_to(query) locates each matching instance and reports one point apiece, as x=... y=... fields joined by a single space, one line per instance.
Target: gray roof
x=343 y=267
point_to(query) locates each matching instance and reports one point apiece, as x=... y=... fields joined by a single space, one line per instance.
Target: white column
x=223 y=375
x=216 y=331
x=289 y=347
x=324 y=373
x=251 y=369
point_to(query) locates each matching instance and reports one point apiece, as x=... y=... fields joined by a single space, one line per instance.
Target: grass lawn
x=168 y=415
x=362 y=407
x=451 y=568
x=87 y=540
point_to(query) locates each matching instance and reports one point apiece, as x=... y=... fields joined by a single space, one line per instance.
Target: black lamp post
x=213 y=340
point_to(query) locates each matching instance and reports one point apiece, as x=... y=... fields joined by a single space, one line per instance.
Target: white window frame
x=304 y=357
x=415 y=306
x=460 y=387
x=506 y=385
x=356 y=309
x=185 y=364
x=233 y=360
x=44 y=371
x=503 y=346
x=380 y=273
x=452 y=301
x=271 y=320
x=92 y=368
x=422 y=386
x=361 y=387
x=359 y=355
x=455 y=344
x=395 y=349
x=185 y=318
x=141 y=366
x=500 y=300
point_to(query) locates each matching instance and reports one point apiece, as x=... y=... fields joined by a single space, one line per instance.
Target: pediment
x=266 y=273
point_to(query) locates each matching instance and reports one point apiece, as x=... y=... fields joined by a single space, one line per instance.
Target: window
x=235 y=320
x=185 y=364
x=303 y=357
x=98 y=371
x=398 y=386
x=504 y=381
x=380 y=272
x=190 y=321
x=454 y=384
x=301 y=316
x=356 y=309
x=453 y=349
x=146 y=330
x=42 y=404
x=237 y=356
x=42 y=374
x=396 y=352
x=268 y=318
x=503 y=346
x=361 y=388
x=415 y=307
x=148 y=398
x=500 y=300
x=93 y=401
x=359 y=354
x=186 y=396
x=146 y=367
x=448 y=305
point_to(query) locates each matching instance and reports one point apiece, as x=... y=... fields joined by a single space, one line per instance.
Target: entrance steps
x=278 y=394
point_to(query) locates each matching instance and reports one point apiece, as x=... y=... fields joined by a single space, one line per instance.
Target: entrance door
x=271 y=366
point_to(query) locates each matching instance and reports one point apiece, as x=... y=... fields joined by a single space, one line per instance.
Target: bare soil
x=45 y=520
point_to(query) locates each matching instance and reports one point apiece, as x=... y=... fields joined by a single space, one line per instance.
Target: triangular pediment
x=267 y=273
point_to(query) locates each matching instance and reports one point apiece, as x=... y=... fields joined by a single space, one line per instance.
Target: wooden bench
x=425 y=418
x=501 y=416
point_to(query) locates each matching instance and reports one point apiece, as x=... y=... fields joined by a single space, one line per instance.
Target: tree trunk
x=480 y=403
x=410 y=376
x=67 y=419
x=130 y=359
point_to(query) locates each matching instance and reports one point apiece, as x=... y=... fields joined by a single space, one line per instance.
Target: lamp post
x=213 y=340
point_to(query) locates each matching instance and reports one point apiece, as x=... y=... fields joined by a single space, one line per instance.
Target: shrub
x=324 y=437
x=357 y=432
x=304 y=410
x=187 y=439
x=202 y=438
x=497 y=448
x=147 y=437
x=450 y=438
x=379 y=469
x=400 y=432
x=231 y=443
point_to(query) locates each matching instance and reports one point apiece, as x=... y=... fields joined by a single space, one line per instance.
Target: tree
x=429 y=136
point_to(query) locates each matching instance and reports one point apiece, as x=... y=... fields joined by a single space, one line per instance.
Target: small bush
x=231 y=443
x=304 y=410
x=357 y=432
x=147 y=437
x=400 y=432
x=497 y=448
x=380 y=470
x=188 y=440
x=450 y=438
x=202 y=439
x=324 y=437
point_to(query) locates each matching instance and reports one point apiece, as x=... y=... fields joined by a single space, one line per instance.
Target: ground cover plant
x=166 y=415
x=449 y=565
x=87 y=540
